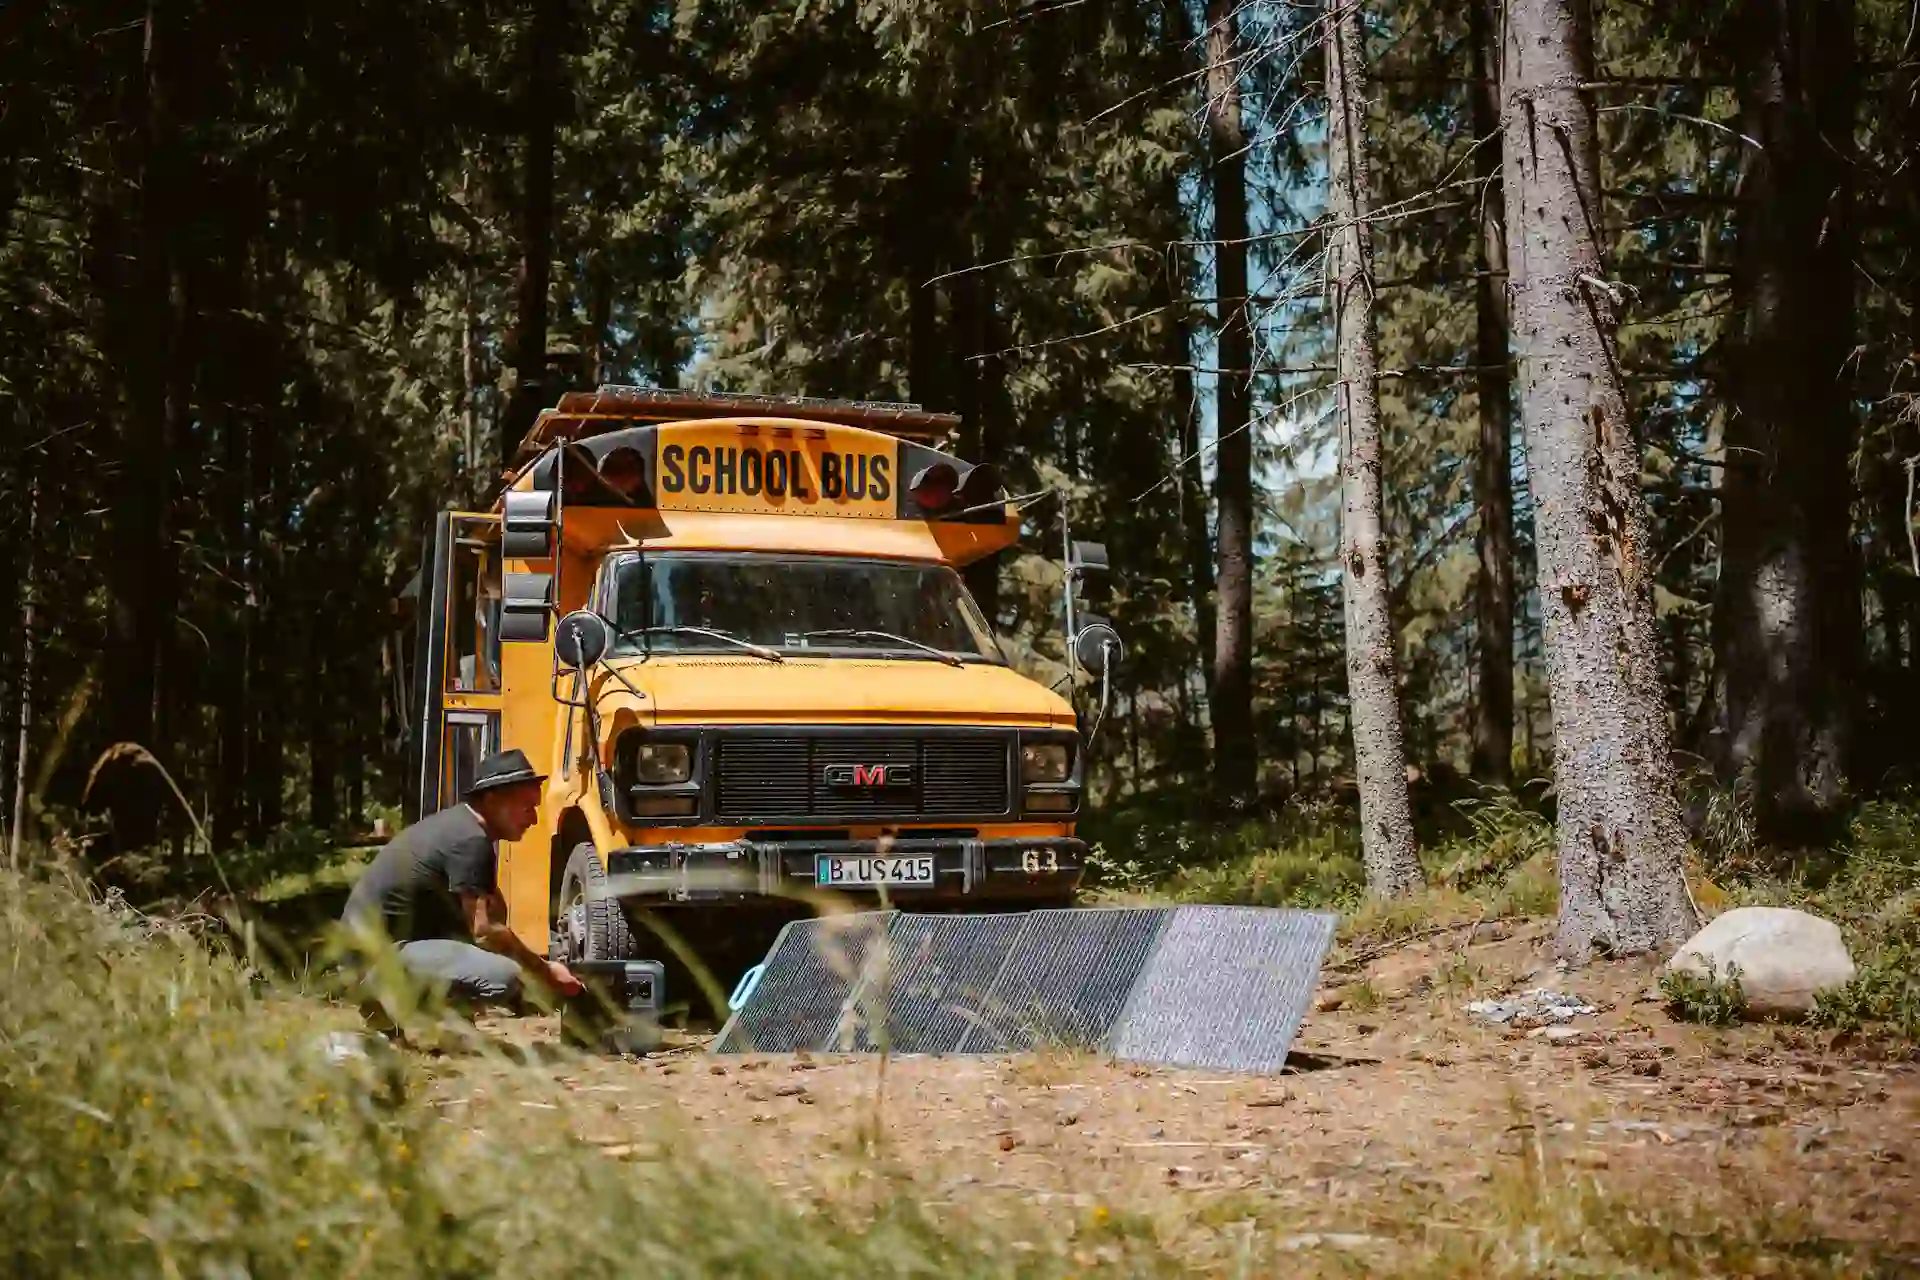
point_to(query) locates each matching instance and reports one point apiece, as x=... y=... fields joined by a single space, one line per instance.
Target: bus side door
x=457 y=662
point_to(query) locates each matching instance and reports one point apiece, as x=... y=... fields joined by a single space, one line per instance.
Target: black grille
x=954 y=776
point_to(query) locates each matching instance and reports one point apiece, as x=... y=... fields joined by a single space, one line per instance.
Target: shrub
x=1322 y=870
x=1886 y=989
x=1711 y=1000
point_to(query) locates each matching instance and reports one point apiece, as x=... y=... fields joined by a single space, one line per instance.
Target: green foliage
x=1886 y=989
x=1870 y=886
x=1502 y=835
x=1319 y=871
x=165 y=1115
x=1711 y=1000
x=1530 y=889
x=1306 y=855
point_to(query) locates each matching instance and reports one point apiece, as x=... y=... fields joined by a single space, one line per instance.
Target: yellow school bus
x=733 y=632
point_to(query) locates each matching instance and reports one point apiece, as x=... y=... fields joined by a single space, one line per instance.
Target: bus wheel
x=591 y=926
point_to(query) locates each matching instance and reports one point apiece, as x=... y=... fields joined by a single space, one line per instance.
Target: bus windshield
x=822 y=605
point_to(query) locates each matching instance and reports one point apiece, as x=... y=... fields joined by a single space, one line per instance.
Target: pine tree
x=1621 y=839
x=1373 y=683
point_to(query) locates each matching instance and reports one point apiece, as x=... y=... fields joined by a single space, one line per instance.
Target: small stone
x=1590 y=1159
x=716 y=1070
x=1563 y=1035
x=1328 y=1001
x=1008 y=1142
x=791 y=1091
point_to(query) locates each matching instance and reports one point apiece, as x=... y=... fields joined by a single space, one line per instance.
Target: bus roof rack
x=589 y=413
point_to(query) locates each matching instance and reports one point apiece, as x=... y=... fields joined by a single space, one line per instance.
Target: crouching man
x=434 y=890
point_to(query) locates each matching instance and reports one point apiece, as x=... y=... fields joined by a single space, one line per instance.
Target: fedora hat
x=507 y=769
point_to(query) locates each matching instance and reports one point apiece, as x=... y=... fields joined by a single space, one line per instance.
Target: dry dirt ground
x=1405 y=1101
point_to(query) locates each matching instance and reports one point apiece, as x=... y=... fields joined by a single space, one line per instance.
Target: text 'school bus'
x=733 y=632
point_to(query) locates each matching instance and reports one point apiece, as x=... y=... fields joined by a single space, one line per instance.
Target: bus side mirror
x=526 y=525
x=581 y=640
x=1097 y=646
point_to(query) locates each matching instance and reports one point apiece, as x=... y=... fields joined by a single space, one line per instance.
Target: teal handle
x=744 y=988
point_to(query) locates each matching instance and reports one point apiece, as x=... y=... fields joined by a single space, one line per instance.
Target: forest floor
x=1417 y=1138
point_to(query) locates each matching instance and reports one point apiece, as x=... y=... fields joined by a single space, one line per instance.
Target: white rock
x=1785 y=957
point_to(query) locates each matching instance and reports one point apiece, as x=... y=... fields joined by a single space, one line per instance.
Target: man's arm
x=487 y=922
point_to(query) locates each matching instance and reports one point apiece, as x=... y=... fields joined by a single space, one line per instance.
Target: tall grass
x=166 y=1112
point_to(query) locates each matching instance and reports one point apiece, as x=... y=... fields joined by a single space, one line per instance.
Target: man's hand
x=487 y=918
x=562 y=978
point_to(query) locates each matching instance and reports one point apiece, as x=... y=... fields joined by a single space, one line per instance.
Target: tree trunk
x=1621 y=838
x=29 y=639
x=268 y=644
x=1788 y=613
x=995 y=404
x=139 y=580
x=233 y=658
x=1192 y=480
x=1373 y=674
x=324 y=695
x=1236 y=767
x=469 y=364
x=540 y=113
x=1493 y=465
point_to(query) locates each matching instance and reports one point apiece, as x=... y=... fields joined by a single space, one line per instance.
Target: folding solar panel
x=1224 y=988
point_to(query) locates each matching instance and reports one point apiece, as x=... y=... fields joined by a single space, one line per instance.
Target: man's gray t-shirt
x=413 y=885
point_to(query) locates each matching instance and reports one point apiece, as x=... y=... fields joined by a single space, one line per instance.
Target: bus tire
x=596 y=927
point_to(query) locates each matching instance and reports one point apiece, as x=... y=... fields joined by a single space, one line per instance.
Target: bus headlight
x=1045 y=761
x=659 y=763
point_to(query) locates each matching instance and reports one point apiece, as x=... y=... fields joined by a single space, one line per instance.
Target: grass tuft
x=1711 y=1000
x=169 y=1113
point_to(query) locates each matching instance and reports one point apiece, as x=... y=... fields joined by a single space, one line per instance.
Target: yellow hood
x=725 y=689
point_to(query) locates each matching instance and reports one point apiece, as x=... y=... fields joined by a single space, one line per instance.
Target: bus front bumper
x=1007 y=870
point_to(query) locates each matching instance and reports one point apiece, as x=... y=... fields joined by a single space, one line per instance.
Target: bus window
x=474 y=607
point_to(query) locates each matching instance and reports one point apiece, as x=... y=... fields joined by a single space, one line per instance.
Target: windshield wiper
x=757 y=650
x=859 y=634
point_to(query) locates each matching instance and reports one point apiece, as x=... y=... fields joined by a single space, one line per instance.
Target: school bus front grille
x=953 y=775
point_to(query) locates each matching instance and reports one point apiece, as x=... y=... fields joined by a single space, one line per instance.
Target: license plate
x=847 y=869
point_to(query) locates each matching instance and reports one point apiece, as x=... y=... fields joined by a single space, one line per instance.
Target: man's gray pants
x=462 y=971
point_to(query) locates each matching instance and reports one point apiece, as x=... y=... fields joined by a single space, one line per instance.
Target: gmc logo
x=868 y=775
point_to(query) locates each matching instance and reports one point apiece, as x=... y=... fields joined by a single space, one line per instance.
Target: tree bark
x=234 y=640
x=139 y=577
x=1236 y=766
x=540 y=112
x=992 y=401
x=469 y=362
x=1788 y=615
x=1373 y=673
x=1621 y=838
x=29 y=640
x=1493 y=464
x=1193 y=485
